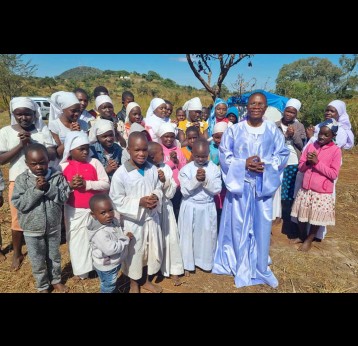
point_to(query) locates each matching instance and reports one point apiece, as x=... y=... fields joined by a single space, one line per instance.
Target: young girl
x=233 y=115
x=192 y=110
x=65 y=111
x=217 y=114
x=192 y=134
x=26 y=127
x=200 y=181
x=102 y=146
x=320 y=162
x=155 y=117
x=86 y=177
x=174 y=158
x=82 y=96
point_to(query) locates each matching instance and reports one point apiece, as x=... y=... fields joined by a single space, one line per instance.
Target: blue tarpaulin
x=273 y=100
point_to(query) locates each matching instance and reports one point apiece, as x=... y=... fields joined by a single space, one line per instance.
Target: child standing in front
x=108 y=241
x=320 y=162
x=39 y=194
x=86 y=177
x=172 y=264
x=200 y=181
x=192 y=134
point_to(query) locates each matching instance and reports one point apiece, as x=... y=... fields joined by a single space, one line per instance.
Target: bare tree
x=13 y=76
x=241 y=85
x=200 y=64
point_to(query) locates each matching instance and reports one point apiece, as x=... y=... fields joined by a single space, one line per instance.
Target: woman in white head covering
x=133 y=115
x=192 y=109
x=156 y=116
x=86 y=177
x=295 y=138
x=103 y=146
x=26 y=127
x=64 y=116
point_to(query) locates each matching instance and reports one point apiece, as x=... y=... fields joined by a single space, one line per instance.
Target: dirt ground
x=330 y=266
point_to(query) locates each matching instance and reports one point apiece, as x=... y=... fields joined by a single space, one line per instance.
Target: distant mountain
x=80 y=72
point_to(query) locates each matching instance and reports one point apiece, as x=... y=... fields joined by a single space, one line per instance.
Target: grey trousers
x=45 y=258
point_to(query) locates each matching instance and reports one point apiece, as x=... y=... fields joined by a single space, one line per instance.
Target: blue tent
x=273 y=100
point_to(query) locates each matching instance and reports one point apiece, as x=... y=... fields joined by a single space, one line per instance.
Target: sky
x=265 y=67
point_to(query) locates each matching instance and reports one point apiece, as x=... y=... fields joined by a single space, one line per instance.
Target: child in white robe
x=200 y=181
x=172 y=264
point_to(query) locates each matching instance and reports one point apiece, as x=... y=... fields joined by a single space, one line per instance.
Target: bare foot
x=305 y=247
x=134 y=287
x=61 y=288
x=78 y=278
x=186 y=273
x=2 y=256
x=176 y=280
x=295 y=241
x=16 y=262
x=149 y=286
x=44 y=291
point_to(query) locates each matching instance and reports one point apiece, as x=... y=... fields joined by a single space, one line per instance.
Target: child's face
x=103 y=212
x=161 y=110
x=72 y=113
x=169 y=110
x=37 y=161
x=181 y=115
x=106 y=110
x=217 y=138
x=158 y=157
x=205 y=114
x=168 y=139
x=194 y=116
x=191 y=137
x=232 y=118
x=325 y=136
x=127 y=100
x=83 y=100
x=135 y=115
x=220 y=111
x=80 y=153
x=201 y=154
x=24 y=116
x=289 y=114
x=106 y=139
x=138 y=151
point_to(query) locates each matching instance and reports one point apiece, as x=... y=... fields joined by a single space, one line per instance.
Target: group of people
x=162 y=195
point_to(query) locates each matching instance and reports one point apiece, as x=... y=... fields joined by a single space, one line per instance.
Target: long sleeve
x=302 y=165
x=109 y=247
x=103 y=180
x=170 y=186
x=188 y=185
x=331 y=171
x=345 y=138
x=213 y=185
x=59 y=190
x=299 y=136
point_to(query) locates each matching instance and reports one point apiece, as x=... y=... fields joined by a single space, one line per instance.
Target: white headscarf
x=135 y=127
x=59 y=101
x=130 y=106
x=294 y=103
x=26 y=102
x=343 y=118
x=220 y=127
x=101 y=99
x=166 y=128
x=154 y=104
x=74 y=139
x=100 y=126
x=193 y=104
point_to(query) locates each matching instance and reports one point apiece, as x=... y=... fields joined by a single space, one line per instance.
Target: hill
x=80 y=72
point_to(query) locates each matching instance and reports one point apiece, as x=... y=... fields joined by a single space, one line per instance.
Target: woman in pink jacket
x=320 y=163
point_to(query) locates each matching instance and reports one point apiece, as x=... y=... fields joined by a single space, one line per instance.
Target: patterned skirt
x=288 y=182
x=314 y=207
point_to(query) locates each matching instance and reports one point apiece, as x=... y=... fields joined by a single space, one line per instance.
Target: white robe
x=128 y=186
x=197 y=222
x=172 y=259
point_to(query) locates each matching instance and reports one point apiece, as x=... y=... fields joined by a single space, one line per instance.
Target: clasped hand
x=254 y=164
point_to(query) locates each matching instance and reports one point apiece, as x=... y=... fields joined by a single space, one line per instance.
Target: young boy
x=39 y=194
x=200 y=181
x=108 y=242
x=172 y=264
x=2 y=187
x=136 y=192
x=192 y=134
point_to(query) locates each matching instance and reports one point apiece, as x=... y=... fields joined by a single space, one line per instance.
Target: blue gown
x=245 y=227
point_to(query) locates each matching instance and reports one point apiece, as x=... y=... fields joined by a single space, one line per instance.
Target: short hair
x=152 y=148
x=201 y=142
x=80 y=90
x=178 y=109
x=167 y=101
x=192 y=129
x=35 y=147
x=136 y=135
x=126 y=94
x=258 y=93
x=98 y=198
x=100 y=90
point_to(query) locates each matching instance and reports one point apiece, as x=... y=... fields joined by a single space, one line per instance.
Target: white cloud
x=179 y=59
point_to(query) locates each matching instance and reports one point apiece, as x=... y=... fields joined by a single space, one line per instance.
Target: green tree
x=201 y=65
x=13 y=76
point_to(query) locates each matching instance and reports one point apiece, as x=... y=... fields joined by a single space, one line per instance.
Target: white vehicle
x=44 y=105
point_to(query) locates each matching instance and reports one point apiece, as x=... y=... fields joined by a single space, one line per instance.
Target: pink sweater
x=171 y=164
x=320 y=177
